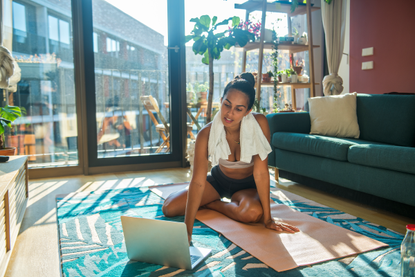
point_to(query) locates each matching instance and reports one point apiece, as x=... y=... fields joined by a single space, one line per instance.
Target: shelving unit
x=284 y=7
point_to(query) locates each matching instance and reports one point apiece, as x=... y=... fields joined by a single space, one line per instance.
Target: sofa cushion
x=387 y=118
x=384 y=156
x=334 y=115
x=322 y=146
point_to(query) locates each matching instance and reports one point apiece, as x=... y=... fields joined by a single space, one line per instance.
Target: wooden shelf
x=294 y=85
x=292 y=48
x=283 y=7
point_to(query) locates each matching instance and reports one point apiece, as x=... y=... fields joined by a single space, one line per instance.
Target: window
x=113 y=47
x=95 y=37
x=19 y=22
x=59 y=31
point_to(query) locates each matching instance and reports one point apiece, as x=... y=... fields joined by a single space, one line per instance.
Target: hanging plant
x=274 y=56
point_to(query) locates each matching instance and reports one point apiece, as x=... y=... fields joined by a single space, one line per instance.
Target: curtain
x=334 y=24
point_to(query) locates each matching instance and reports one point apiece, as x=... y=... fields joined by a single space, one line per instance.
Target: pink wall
x=389 y=27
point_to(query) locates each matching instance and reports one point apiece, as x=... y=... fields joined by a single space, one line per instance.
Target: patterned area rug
x=91 y=239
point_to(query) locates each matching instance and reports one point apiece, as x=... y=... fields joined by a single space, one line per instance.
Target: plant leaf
x=205 y=21
x=4 y=123
x=214 y=19
x=200 y=46
x=224 y=22
x=205 y=59
x=10 y=112
x=235 y=21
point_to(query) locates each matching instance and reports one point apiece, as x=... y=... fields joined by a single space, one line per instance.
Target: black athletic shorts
x=226 y=186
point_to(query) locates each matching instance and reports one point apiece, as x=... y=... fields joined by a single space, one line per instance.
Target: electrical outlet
x=367 y=65
x=367 y=51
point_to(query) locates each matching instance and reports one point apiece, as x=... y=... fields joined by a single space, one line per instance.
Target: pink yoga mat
x=317 y=241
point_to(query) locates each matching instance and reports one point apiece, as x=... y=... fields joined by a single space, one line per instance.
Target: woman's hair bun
x=247 y=76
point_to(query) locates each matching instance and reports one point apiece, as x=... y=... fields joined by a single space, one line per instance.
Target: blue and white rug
x=91 y=239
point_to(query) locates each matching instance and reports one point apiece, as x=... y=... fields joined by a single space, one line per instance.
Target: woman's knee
x=173 y=205
x=251 y=215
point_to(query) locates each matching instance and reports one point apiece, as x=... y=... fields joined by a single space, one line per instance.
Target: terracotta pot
x=9 y=151
x=298 y=69
x=266 y=78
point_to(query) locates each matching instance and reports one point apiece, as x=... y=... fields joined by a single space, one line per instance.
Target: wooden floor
x=37 y=254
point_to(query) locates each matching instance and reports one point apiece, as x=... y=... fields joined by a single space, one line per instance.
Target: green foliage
x=8 y=114
x=256 y=107
x=201 y=87
x=207 y=39
x=274 y=56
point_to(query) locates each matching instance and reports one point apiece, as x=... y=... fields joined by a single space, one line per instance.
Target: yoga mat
x=317 y=241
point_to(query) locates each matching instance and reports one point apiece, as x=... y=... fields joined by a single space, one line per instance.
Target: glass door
x=134 y=92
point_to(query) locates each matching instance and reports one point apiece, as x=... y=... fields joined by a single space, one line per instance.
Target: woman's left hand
x=280 y=226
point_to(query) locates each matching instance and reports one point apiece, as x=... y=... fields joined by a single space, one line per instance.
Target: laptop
x=160 y=242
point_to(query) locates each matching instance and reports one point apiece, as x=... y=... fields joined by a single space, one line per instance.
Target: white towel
x=252 y=139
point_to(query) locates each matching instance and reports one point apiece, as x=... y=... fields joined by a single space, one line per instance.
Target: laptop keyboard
x=194 y=258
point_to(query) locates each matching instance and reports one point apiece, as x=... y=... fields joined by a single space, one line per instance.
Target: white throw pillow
x=334 y=116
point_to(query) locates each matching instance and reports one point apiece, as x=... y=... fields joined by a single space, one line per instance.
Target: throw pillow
x=334 y=116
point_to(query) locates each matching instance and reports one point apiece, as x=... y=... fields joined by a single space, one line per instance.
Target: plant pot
x=203 y=97
x=279 y=78
x=8 y=151
x=302 y=41
x=284 y=78
x=298 y=69
x=266 y=77
x=293 y=78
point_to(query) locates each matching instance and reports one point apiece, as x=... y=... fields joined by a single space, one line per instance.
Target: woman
x=246 y=183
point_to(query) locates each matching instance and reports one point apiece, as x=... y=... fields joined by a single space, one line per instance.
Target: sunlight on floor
x=38 y=191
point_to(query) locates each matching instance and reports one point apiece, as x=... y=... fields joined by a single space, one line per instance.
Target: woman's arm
x=197 y=184
x=262 y=181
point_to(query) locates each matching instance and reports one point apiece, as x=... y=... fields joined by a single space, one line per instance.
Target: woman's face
x=234 y=107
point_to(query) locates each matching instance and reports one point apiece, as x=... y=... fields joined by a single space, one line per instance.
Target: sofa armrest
x=289 y=122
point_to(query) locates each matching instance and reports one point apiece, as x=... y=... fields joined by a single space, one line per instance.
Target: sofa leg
x=276 y=174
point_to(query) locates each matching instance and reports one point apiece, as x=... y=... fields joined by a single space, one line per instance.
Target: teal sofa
x=379 y=165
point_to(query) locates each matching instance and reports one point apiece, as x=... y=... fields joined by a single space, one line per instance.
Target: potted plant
x=296 y=35
x=7 y=115
x=266 y=77
x=293 y=75
x=209 y=43
x=202 y=91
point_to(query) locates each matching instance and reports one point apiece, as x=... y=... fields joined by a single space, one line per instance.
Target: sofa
x=379 y=165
